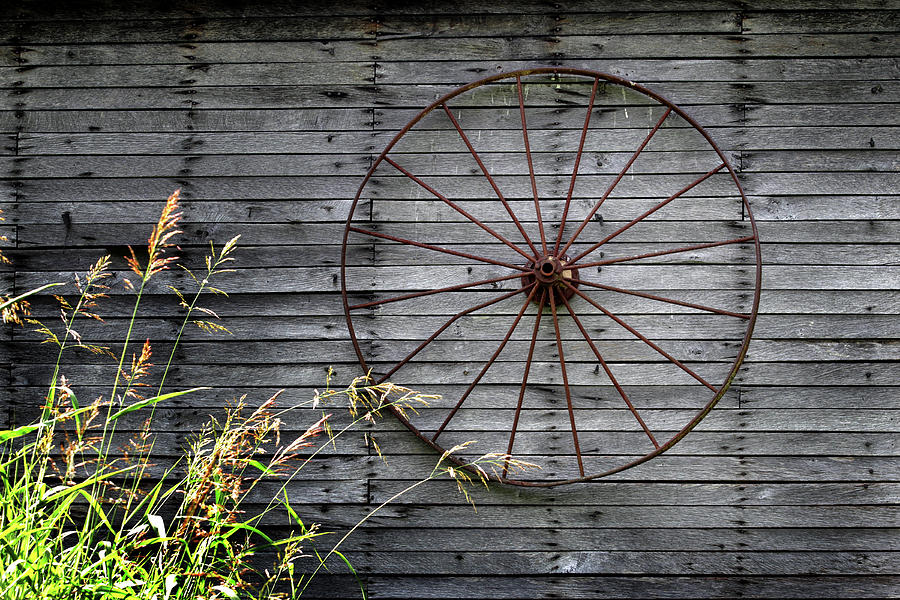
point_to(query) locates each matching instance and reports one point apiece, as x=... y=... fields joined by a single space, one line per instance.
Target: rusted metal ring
x=551 y=277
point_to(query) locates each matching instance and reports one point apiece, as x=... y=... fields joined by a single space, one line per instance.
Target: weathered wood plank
x=659 y=373
x=293 y=351
x=332 y=325
x=710 y=116
x=441 y=350
x=626 y=140
x=188 y=119
x=690 y=45
x=587 y=23
x=677 y=468
x=653 y=70
x=799 y=92
x=238 y=304
x=496 y=107
x=606 y=586
x=163 y=75
x=111 y=11
x=342 y=187
x=464 y=518
x=762 y=350
x=334 y=119
x=715 y=562
x=140 y=211
x=765 y=208
x=628 y=539
x=665 y=468
x=818 y=183
x=599 y=420
x=417 y=374
x=361 y=254
x=821 y=160
x=759 y=397
x=120 y=234
x=108 y=10
x=8 y=140
x=816 y=115
x=155 y=29
x=365 y=279
x=771 y=397
x=395 y=254
x=650 y=494
x=650 y=397
x=195 y=144
x=419 y=96
x=271 y=96
x=609 y=46
x=667 y=139
x=846 y=21
x=205 y=165
x=631 y=276
x=773 y=254
x=698 y=443
x=195 y=52
x=612 y=443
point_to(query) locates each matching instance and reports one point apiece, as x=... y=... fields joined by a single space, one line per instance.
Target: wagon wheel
x=567 y=257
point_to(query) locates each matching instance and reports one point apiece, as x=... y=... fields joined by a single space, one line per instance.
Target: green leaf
x=261 y=467
x=234 y=527
x=291 y=512
x=362 y=589
x=148 y=401
x=11 y=434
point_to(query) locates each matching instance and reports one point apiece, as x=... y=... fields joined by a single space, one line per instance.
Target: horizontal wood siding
x=267 y=115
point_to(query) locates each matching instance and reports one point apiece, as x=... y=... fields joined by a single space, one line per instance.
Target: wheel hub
x=549 y=272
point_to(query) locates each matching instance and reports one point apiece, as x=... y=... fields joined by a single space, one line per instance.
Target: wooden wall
x=267 y=115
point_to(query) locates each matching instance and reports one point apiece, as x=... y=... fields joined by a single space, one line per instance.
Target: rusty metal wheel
x=590 y=208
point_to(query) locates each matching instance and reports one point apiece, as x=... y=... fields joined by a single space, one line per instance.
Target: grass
x=82 y=518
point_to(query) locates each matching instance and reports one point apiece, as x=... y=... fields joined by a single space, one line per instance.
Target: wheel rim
x=545 y=276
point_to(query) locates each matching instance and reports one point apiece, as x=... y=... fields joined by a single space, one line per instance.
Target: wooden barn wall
x=267 y=115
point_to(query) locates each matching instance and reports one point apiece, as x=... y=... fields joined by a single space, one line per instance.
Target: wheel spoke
x=490 y=179
x=448 y=324
x=437 y=291
x=643 y=338
x=457 y=208
x=718 y=311
x=565 y=377
x=515 y=425
x=616 y=181
x=584 y=130
x=487 y=366
x=609 y=373
x=649 y=212
x=438 y=249
x=537 y=205
x=610 y=261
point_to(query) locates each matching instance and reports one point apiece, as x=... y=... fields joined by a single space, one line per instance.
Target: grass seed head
x=159 y=241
